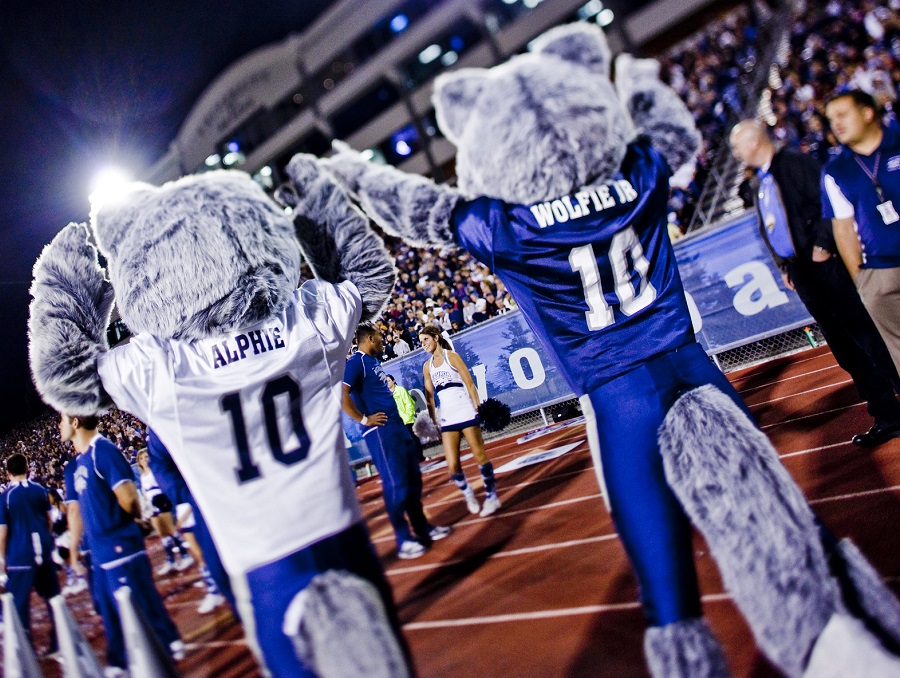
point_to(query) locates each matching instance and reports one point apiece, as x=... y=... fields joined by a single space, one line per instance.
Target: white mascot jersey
x=253 y=420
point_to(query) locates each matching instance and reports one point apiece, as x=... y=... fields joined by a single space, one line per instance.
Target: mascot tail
x=767 y=543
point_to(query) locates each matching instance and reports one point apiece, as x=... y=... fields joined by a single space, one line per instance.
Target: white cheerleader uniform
x=457 y=411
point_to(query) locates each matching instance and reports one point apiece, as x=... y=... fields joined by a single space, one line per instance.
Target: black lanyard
x=873 y=175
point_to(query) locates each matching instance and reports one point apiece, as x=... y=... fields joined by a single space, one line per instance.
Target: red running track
x=543 y=588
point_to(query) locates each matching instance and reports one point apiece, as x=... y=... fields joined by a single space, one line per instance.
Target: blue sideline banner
x=735 y=293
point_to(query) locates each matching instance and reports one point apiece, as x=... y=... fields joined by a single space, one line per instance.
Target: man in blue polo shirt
x=26 y=543
x=103 y=505
x=861 y=194
x=368 y=400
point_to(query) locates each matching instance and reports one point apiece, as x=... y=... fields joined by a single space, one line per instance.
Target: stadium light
x=399 y=23
x=107 y=185
x=429 y=54
x=605 y=18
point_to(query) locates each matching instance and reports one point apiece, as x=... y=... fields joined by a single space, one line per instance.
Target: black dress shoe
x=878 y=434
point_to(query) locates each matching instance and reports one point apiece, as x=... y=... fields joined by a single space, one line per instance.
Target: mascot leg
x=340 y=629
x=761 y=531
x=684 y=649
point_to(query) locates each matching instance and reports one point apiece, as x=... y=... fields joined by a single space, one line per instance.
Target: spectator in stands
x=862 y=196
x=26 y=545
x=401 y=347
x=788 y=202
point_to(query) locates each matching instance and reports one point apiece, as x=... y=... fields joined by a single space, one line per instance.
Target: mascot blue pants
x=628 y=412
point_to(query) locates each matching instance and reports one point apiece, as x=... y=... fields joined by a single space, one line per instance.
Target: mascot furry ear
x=542 y=141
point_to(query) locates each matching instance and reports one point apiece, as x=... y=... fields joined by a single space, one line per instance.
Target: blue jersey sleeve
x=71 y=467
x=3 y=519
x=473 y=224
x=110 y=464
x=353 y=372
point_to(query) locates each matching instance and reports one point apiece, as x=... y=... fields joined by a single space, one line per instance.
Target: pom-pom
x=425 y=429
x=495 y=415
x=163 y=503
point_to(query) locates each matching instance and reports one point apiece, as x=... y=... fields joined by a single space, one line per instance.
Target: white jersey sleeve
x=127 y=374
x=841 y=207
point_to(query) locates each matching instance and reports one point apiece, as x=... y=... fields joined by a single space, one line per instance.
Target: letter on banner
x=480 y=372
x=534 y=362
x=760 y=291
x=696 y=318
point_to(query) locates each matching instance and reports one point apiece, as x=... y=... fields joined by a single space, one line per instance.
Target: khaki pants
x=879 y=289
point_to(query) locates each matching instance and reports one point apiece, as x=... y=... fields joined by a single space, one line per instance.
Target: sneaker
x=184 y=563
x=439 y=532
x=178 y=650
x=491 y=504
x=75 y=587
x=410 y=549
x=165 y=568
x=471 y=501
x=210 y=603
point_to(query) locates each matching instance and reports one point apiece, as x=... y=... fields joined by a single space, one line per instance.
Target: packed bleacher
x=834 y=46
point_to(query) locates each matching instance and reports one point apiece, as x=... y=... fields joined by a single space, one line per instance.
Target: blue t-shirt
x=879 y=233
x=91 y=478
x=593 y=272
x=23 y=509
x=368 y=387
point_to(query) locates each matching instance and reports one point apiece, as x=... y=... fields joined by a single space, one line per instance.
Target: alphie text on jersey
x=593 y=272
x=91 y=480
x=867 y=188
x=253 y=422
x=23 y=510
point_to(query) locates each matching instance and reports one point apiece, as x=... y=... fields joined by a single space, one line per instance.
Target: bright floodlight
x=605 y=18
x=108 y=184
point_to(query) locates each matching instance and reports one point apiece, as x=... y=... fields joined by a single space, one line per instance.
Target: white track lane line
x=856 y=495
x=793 y=362
x=810 y=450
x=543 y=614
x=809 y=416
x=505 y=514
x=800 y=393
x=506 y=554
x=781 y=381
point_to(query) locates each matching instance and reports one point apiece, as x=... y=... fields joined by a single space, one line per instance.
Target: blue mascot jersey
x=593 y=272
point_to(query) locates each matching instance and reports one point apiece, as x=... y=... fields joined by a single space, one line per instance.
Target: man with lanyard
x=862 y=195
x=801 y=244
x=26 y=543
x=103 y=504
x=365 y=390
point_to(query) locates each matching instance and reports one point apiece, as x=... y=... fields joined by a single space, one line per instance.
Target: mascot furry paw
x=562 y=186
x=235 y=369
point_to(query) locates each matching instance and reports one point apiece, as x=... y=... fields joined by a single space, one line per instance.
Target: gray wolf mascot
x=562 y=188
x=236 y=370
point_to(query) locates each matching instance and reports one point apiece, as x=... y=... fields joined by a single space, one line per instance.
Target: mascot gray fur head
x=540 y=125
x=198 y=257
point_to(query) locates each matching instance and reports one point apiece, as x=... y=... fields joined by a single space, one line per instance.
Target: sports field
x=543 y=587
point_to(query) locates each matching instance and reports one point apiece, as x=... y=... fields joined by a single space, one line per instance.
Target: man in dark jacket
x=787 y=194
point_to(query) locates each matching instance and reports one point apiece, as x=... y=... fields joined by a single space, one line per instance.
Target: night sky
x=84 y=85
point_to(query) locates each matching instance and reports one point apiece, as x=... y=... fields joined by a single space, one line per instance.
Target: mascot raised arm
x=562 y=191
x=238 y=372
